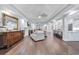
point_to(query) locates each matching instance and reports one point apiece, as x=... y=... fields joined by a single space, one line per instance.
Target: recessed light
x=39 y=17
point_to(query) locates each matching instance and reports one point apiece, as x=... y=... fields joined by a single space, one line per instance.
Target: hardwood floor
x=49 y=46
x=75 y=46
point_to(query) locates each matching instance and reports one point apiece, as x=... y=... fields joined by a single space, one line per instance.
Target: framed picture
x=10 y=22
x=70 y=27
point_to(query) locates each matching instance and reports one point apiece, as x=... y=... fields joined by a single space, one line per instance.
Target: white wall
x=69 y=35
x=58 y=24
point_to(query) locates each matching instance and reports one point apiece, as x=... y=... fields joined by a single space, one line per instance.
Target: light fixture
x=43 y=15
x=7 y=11
x=39 y=17
x=71 y=12
x=45 y=25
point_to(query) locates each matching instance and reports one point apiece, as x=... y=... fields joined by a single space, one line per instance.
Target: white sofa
x=38 y=35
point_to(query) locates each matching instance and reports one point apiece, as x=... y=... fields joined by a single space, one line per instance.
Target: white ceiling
x=34 y=11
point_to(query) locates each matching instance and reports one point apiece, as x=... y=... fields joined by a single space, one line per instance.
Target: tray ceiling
x=38 y=13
